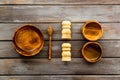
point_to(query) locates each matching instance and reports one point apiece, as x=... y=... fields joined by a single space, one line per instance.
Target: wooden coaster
x=66 y=30
x=66 y=52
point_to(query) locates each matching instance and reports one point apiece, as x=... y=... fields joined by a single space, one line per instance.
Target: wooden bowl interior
x=92 y=52
x=93 y=31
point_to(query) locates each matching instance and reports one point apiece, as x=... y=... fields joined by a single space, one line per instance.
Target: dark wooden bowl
x=92 y=51
x=92 y=30
x=28 y=40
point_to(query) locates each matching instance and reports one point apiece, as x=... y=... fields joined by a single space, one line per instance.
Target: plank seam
x=65 y=75
x=9 y=22
x=70 y=40
x=57 y=74
x=48 y=60
x=52 y=4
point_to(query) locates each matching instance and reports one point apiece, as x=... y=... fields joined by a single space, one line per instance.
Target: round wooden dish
x=92 y=30
x=92 y=51
x=28 y=40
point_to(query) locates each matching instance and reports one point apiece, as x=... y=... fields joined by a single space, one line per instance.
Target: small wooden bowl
x=92 y=51
x=28 y=40
x=92 y=30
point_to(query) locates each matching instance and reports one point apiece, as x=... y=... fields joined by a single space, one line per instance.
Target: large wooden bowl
x=28 y=40
x=92 y=51
x=92 y=30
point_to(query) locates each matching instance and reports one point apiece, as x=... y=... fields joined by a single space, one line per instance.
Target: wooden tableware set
x=28 y=40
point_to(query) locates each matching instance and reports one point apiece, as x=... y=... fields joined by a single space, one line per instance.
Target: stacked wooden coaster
x=66 y=35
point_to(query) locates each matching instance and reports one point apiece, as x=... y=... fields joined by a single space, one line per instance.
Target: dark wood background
x=15 y=13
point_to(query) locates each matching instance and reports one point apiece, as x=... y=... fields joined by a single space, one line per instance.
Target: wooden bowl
x=92 y=30
x=28 y=40
x=92 y=51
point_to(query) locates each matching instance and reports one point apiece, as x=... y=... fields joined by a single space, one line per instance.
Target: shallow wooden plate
x=28 y=40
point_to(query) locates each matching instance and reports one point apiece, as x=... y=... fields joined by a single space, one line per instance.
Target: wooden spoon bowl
x=28 y=40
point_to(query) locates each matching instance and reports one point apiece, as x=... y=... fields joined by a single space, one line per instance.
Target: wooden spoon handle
x=50 y=48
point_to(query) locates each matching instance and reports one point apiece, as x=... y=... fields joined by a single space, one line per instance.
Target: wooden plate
x=28 y=40
x=92 y=30
x=92 y=51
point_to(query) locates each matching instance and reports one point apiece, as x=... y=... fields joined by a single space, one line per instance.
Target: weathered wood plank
x=56 y=66
x=59 y=2
x=110 y=49
x=57 y=13
x=62 y=77
x=111 y=30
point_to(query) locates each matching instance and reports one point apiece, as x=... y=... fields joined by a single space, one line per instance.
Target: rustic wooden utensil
x=50 y=32
x=28 y=40
x=92 y=51
x=92 y=30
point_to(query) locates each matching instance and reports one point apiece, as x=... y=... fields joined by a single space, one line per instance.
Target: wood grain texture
x=113 y=50
x=57 y=13
x=111 y=30
x=56 y=66
x=52 y=12
x=62 y=77
x=59 y=2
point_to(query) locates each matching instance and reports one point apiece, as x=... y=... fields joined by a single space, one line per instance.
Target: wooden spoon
x=50 y=32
